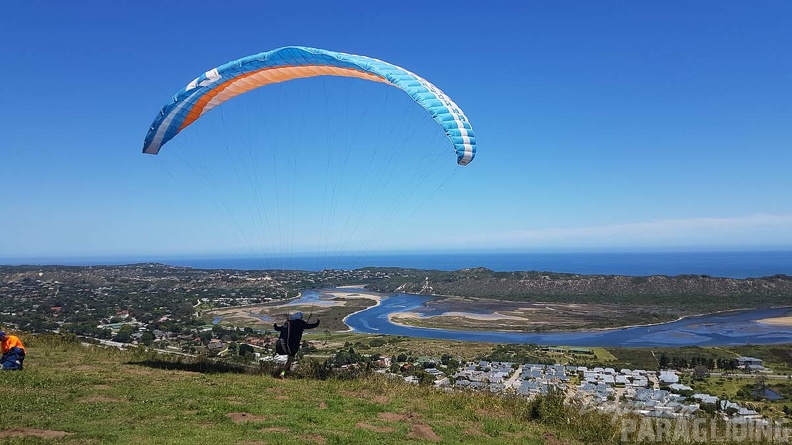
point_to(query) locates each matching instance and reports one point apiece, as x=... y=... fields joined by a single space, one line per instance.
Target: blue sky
x=600 y=125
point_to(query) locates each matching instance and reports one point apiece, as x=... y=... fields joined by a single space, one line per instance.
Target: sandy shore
x=344 y=294
x=471 y=315
x=778 y=321
x=477 y=316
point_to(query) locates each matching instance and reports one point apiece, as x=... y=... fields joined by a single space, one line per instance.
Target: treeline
x=710 y=363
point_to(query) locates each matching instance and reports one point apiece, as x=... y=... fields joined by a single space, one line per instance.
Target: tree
x=700 y=372
x=205 y=337
x=245 y=350
x=664 y=361
x=424 y=378
x=124 y=334
x=104 y=333
x=147 y=338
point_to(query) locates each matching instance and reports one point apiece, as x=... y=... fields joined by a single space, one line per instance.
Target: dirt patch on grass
x=473 y=431
x=550 y=439
x=102 y=387
x=245 y=417
x=395 y=417
x=423 y=432
x=391 y=417
x=315 y=438
x=322 y=405
x=32 y=432
x=418 y=429
x=376 y=429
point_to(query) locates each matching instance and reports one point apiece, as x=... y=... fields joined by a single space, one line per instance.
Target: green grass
x=106 y=396
x=103 y=396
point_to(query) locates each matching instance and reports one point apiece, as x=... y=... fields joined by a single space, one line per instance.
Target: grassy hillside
x=74 y=394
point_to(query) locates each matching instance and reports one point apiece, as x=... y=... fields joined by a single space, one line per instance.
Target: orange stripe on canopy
x=265 y=76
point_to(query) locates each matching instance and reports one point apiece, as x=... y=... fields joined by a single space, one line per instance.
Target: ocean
x=736 y=264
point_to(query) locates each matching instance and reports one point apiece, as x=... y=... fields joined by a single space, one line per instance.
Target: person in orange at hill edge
x=13 y=352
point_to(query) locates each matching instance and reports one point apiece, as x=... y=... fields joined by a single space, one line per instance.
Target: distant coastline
x=729 y=264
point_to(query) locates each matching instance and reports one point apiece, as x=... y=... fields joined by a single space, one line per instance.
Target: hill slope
x=77 y=394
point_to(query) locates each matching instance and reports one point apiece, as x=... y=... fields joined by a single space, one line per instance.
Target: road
x=515 y=376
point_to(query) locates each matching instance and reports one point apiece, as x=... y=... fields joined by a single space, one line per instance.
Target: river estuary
x=727 y=328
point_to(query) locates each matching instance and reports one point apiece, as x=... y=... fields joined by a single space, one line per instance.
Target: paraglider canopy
x=283 y=64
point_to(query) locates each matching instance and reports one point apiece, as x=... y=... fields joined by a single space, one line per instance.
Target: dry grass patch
x=33 y=432
x=100 y=399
